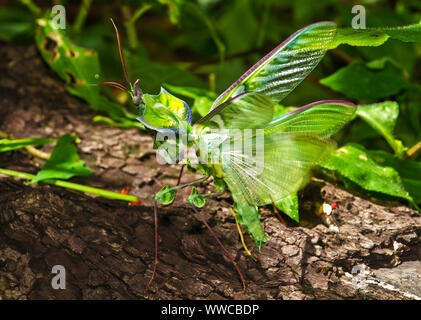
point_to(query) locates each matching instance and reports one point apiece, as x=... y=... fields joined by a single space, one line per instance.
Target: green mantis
x=258 y=158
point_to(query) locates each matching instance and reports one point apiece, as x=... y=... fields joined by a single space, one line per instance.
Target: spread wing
x=293 y=144
x=282 y=69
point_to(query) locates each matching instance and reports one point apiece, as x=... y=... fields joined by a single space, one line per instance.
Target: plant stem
x=81 y=16
x=413 y=150
x=71 y=185
x=129 y=24
x=36 y=11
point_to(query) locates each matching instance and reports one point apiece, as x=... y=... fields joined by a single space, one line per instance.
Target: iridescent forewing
x=282 y=69
x=293 y=145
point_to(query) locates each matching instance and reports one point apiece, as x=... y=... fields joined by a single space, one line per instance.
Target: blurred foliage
x=197 y=48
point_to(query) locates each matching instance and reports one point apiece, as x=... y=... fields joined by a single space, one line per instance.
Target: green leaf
x=411 y=33
x=358 y=81
x=63 y=163
x=249 y=217
x=289 y=206
x=409 y=171
x=166 y=195
x=195 y=199
x=352 y=162
x=202 y=98
x=376 y=36
x=163 y=112
x=382 y=117
x=78 y=66
x=7 y=145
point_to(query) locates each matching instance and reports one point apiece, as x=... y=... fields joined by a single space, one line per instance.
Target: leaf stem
x=81 y=16
x=71 y=185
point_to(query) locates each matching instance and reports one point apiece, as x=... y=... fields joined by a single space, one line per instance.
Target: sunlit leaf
x=382 y=117
x=63 y=163
x=289 y=206
x=352 y=162
x=409 y=171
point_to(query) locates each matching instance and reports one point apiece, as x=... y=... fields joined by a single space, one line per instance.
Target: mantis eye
x=137 y=93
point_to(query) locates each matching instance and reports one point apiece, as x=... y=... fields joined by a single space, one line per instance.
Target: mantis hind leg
x=222 y=246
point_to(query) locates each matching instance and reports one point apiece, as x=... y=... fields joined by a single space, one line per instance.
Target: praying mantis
x=259 y=159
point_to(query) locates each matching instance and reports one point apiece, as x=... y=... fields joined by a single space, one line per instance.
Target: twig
x=37 y=153
x=413 y=150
